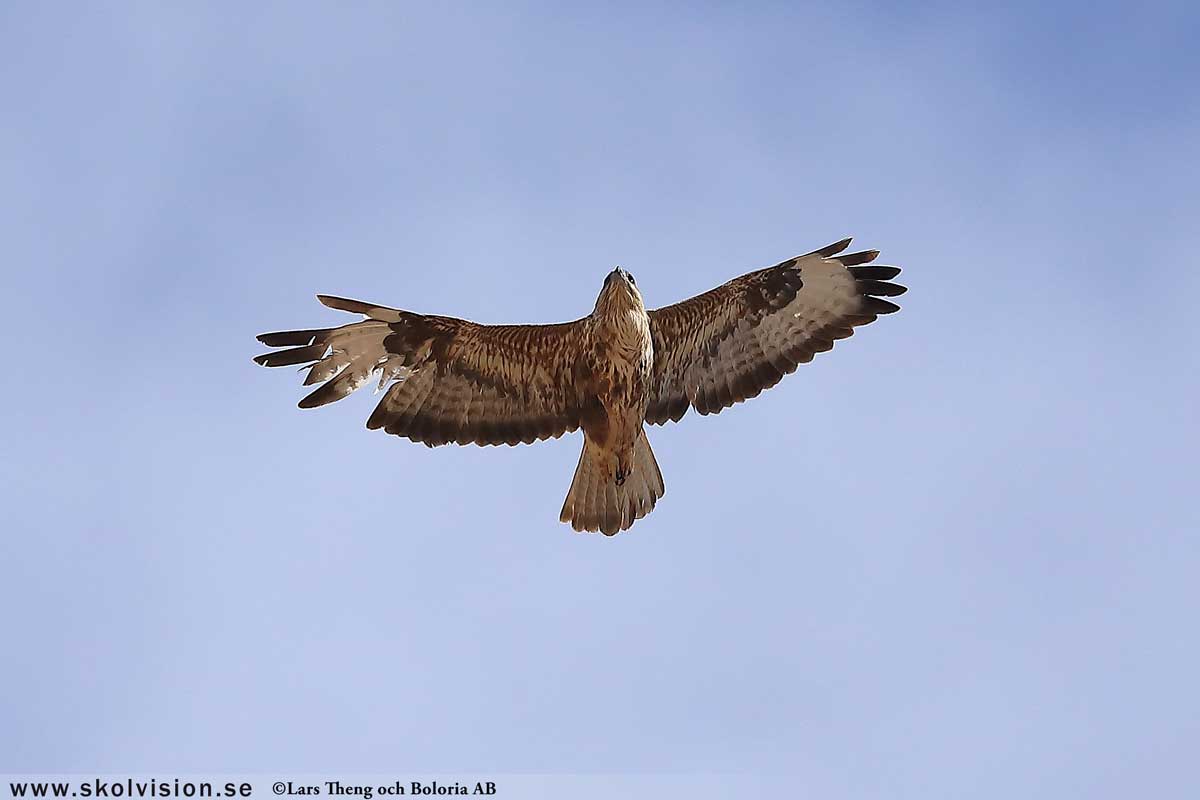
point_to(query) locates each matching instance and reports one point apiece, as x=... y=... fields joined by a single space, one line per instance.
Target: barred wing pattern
x=451 y=380
x=729 y=344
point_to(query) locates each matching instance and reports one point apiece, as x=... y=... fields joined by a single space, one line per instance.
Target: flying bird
x=452 y=381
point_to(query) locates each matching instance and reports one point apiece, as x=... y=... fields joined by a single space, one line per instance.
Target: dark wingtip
x=873 y=305
x=293 y=356
x=874 y=272
x=291 y=338
x=833 y=249
x=872 y=283
x=311 y=400
x=854 y=259
x=881 y=288
x=346 y=304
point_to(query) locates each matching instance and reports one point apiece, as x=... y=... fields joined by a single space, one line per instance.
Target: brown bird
x=455 y=381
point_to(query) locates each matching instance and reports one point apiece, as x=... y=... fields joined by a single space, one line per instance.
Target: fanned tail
x=596 y=503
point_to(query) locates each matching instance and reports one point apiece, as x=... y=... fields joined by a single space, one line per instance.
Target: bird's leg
x=624 y=467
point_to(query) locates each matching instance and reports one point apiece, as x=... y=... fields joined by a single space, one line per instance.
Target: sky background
x=956 y=556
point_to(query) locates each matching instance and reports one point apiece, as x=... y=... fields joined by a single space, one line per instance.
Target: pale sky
x=956 y=556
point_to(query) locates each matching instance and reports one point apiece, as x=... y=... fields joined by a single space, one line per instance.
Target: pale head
x=619 y=293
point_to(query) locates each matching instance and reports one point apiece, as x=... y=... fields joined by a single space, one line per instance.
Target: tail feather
x=595 y=502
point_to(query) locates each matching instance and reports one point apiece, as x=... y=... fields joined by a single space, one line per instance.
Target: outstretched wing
x=729 y=344
x=451 y=380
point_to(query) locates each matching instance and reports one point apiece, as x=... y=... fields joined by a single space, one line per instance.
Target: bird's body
x=615 y=368
x=609 y=373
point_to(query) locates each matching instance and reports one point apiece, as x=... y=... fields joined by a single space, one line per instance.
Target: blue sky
x=957 y=555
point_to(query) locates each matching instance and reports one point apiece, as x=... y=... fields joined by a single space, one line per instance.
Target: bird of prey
x=454 y=381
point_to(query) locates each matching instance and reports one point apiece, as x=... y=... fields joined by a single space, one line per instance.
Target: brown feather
x=466 y=382
x=741 y=338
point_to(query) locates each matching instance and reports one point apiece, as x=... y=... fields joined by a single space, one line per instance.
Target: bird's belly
x=618 y=371
x=626 y=399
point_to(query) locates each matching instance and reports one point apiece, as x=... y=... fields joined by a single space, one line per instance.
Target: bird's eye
x=631 y=280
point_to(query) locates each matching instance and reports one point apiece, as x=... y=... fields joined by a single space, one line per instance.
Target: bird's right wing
x=452 y=380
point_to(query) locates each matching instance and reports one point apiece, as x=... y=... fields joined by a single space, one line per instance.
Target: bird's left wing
x=454 y=380
x=729 y=344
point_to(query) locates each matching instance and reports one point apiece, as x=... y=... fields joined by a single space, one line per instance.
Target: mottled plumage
x=455 y=381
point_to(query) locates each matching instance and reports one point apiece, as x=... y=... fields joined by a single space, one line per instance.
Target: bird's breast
x=627 y=361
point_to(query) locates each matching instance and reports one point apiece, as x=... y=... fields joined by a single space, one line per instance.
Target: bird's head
x=619 y=293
